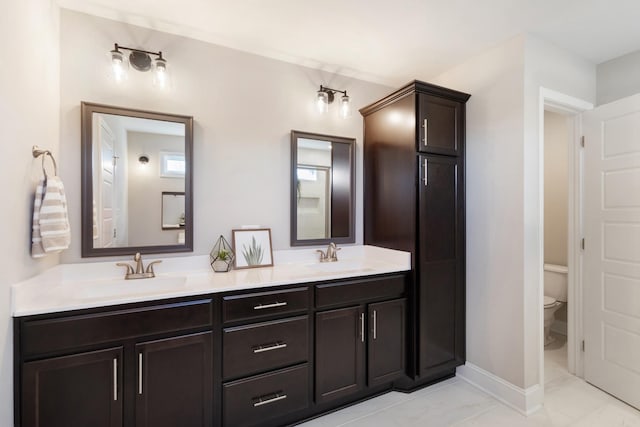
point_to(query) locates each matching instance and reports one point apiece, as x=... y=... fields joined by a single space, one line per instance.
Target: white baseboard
x=525 y=401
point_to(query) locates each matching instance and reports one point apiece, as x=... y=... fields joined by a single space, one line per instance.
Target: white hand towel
x=54 y=220
x=37 y=251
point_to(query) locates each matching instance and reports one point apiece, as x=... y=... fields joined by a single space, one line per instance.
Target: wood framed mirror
x=322 y=189
x=129 y=158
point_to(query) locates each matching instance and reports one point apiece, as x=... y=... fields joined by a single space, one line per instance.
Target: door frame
x=572 y=107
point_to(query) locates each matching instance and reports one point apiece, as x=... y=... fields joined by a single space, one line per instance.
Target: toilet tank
x=556 y=284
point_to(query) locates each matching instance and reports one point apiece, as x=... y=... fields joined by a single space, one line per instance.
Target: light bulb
x=118 y=66
x=345 y=106
x=161 y=76
x=322 y=102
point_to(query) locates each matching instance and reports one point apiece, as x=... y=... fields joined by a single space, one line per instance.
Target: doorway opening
x=558 y=135
x=561 y=230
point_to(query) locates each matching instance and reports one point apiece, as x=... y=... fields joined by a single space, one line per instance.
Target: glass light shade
x=119 y=66
x=345 y=107
x=322 y=102
x=160 y=74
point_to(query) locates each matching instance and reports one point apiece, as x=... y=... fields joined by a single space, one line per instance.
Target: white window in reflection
x=305 y=174
x=172 y=165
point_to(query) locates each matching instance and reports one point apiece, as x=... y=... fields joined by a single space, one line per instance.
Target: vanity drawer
x=254 y=401
x=259 y=347
x=263 y=304
x=358 y=291
x=69 y=332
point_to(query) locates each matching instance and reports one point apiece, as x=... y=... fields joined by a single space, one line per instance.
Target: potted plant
x=221 y=256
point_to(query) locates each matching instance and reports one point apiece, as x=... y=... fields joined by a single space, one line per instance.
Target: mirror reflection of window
x=314 y=189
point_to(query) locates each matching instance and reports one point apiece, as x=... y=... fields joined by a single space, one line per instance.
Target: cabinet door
x=340 y=345
x=78 y=390
x=387 y=357
x=175 y=384
x=439 y=125
x=441 y=263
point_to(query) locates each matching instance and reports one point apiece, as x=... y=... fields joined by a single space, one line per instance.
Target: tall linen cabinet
x=414 y=201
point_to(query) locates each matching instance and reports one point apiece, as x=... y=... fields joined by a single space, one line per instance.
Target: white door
x=106 y=198
x=612 y=248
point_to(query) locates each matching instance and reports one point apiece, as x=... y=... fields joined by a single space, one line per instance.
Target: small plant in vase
x=221 y=256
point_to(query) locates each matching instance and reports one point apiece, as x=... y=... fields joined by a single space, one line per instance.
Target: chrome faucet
x=139 y=272
x=331 y=255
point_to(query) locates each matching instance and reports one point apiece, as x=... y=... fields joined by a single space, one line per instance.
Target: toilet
x=555 y=295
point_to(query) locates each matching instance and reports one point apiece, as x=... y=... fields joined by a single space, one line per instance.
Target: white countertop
x=77 y=286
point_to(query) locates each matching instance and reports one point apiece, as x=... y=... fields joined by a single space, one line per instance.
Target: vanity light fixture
x=140 y=60
x=143 y=159
x=326 y=96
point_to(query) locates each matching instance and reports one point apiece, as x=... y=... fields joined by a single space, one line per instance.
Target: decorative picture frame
x=250 y=247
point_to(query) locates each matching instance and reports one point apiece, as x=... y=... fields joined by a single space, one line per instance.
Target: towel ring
x=37 y=152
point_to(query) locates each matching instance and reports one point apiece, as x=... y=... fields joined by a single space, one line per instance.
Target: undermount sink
x=121 y=287
x=341 y=266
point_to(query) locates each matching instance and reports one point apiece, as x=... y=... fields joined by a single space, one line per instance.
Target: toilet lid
x=549 y=301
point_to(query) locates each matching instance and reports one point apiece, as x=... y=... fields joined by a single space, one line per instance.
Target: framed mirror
x=131 y=159
x=322 y=189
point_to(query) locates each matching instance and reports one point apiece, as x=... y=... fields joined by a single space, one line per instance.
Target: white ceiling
x=388 y=41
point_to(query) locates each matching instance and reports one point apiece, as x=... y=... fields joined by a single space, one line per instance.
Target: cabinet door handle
x=425 y=126
x=139 y=373
x=375 y=325
x=262 y=401
x=276 y=346
x=275 y=304
x=362 y=327
x=426 y=171
x=115 y=378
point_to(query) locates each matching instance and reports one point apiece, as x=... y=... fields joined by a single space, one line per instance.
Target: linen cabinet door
x=174 y=382
x=82 y=389
x=340 y=353
x=441 y=263
x=387 y=341
x=439 y=125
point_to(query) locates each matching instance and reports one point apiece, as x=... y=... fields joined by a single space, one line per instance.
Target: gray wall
x=146 y=187
x=502 y=176
x=556 y=187
x=244 y=107
x=29 y=106
x=618 y=78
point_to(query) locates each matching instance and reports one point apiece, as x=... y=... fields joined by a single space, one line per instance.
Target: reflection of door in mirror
x=105 y=230
x=130 y=175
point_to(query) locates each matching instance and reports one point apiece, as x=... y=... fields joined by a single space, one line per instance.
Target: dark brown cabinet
x=340 y=353
x=386 y=344
x=175 y=382
x=439 y=121
x=265 y=363
x=358 y=347
x=82 y=389
x=146 y=366
x=414 y=201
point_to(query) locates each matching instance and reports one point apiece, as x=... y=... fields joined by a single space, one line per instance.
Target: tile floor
x=569 y=401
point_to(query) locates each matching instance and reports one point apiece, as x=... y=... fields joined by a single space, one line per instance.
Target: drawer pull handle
x=262 y=401
x=275 y=304
x=276 y=346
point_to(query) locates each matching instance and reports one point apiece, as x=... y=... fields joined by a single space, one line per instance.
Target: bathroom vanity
x=266 y=347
